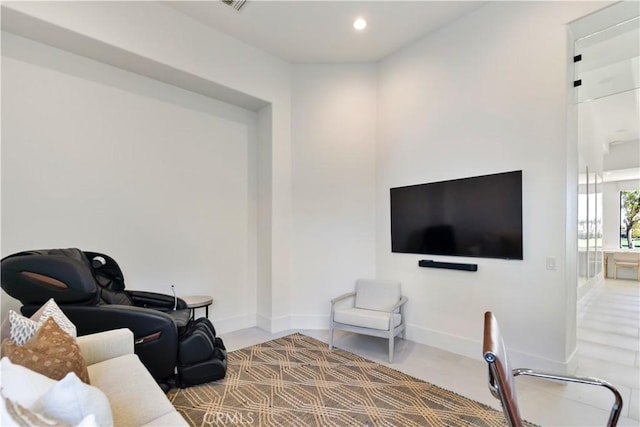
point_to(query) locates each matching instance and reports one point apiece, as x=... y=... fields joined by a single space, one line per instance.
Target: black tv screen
x=469 y=217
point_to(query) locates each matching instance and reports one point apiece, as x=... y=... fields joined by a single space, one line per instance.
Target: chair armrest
x=155 y=332
x=342 y=297
x=399 y=304
x=156 y=300
x=105 y=345
x=617 y=405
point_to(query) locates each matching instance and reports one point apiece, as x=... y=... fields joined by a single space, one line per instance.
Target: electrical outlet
x=551 y=263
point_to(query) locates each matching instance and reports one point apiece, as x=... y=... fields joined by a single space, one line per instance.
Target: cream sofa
x=122 y=391
x=135 y=397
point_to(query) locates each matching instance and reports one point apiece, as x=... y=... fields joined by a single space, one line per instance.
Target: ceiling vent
x=236 y=4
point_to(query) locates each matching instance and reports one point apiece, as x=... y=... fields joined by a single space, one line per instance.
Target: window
x=630 y=219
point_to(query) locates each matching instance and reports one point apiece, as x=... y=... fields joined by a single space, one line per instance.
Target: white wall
x=485 y=94
x=134 y=35
x=161 y=179
x=333 y=154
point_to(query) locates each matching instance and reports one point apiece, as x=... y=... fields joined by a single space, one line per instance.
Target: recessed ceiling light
x=360 y=24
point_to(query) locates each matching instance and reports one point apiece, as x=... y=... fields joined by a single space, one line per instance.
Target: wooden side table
x=198 y=301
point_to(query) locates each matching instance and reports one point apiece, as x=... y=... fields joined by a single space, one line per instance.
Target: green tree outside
x=630 y=204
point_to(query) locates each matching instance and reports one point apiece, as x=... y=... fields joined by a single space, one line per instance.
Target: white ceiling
x=621 y=174
x=321 y=31
x=306 y=31
x=618 y=116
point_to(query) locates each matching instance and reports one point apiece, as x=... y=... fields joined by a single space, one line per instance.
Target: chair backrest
x=376 y=294
x=501 y=381
x=106 y=271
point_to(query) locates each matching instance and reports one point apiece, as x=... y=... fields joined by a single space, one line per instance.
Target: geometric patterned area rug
x=297 y=381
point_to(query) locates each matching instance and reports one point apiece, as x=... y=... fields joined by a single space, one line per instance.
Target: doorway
x=606 y=99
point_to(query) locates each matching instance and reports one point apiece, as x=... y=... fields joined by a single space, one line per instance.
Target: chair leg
x=391 y=347
x=331 y=336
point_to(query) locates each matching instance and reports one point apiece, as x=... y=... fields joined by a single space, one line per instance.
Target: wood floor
x=609 y=339
x=608 y=348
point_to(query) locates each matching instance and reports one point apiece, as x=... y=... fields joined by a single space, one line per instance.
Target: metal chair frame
x=502 y=387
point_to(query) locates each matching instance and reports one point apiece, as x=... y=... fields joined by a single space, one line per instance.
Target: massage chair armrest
x=155 y=332
x=156 y=301
x=93 y=319
x=105 y=345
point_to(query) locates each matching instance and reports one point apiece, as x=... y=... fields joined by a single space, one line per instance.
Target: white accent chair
x=376 y=308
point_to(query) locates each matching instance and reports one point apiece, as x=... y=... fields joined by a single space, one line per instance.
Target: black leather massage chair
x=89 y=288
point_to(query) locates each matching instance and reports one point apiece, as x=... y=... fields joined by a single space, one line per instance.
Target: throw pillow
x=89 y=421
x=21 y=329
x=51 y=309
x=14 y=414
x=51 y=352
x=23 y=385
x=71 y=401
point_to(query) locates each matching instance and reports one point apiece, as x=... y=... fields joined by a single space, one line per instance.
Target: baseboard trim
x=447 y=342
x=317 y=321
x=473 y=349
x=273 y=324
x=234 y=323
x=263 y=322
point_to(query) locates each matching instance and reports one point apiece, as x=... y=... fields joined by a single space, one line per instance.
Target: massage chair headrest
x=35 y=276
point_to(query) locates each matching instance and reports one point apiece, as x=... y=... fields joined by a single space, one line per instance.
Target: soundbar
x=448 y=265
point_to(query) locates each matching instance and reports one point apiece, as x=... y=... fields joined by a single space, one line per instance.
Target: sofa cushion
x=136 y=399
x=171 y=419
x=366 y=318
x=51 y=352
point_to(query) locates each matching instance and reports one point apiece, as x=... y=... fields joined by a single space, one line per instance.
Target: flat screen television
x=469 y=217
